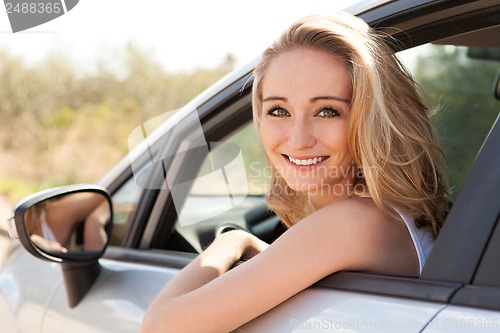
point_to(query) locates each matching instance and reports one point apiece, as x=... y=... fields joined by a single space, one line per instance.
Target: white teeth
x=310 y=161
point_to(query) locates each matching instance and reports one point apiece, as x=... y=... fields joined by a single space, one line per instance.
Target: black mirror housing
x=48 y=220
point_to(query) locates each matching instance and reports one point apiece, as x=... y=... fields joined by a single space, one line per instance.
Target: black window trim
x=484 y=292
x=488 y=272
x=387 y=285
x=471 y=220
x=478 y=297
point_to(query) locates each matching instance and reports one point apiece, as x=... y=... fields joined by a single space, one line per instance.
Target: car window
x=456 y=82
x=245 y=138
x=230 y=195
x=124 y=201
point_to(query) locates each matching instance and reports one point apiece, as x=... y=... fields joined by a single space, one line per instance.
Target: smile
x=307 y=162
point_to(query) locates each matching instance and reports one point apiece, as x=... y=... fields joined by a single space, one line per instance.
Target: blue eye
x=328 y=112
x=277 y=111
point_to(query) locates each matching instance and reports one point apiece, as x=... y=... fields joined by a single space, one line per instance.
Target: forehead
x=306 y=72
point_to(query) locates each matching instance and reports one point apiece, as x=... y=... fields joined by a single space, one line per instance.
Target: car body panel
x=116 y=302
x=317 y=309
x=459 y=319
x=123 y=291
x=27 y=284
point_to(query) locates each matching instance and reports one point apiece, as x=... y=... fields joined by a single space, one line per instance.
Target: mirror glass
x=71 y=222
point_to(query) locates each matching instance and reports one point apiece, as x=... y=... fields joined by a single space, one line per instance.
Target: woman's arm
x=63 y=214
x=94 y=233
x=203 y=298
x=217 y=259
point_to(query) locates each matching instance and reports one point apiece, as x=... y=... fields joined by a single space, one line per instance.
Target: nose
x=301 y=135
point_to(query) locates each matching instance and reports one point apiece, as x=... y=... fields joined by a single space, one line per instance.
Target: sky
x=180 y=35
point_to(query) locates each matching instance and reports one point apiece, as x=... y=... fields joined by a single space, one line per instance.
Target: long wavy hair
x=391 y=138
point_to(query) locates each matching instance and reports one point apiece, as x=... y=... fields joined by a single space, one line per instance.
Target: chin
x=304 y=186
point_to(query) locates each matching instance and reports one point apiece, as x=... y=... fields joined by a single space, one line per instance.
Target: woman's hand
x=217 y=259
x=47 y=245
x=253 y=247
x=229 y=248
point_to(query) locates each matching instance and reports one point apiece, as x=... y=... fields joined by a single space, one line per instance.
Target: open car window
x=125 y=201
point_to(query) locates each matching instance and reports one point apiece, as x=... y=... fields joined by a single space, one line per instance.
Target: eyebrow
x=312 y=100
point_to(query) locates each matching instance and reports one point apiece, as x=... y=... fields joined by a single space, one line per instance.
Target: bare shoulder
x=353 y=213
x=368 y=240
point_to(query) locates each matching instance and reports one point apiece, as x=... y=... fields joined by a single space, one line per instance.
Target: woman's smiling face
x=306 y=97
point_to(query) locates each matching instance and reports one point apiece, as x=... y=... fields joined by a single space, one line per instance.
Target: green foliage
x=461 y=89
x=62 y=119
x=16 y=189
x=256 y=166
x=60 y=126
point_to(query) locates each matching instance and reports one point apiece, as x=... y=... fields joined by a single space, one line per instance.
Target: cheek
x=335 y=137
x=269 y=135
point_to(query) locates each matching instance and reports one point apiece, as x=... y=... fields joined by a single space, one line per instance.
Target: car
x=201 y=173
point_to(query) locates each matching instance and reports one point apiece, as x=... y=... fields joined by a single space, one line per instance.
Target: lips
x=306 y=161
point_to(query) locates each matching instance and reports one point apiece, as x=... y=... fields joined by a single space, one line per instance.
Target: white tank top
x=46 y=231
x=421 y=237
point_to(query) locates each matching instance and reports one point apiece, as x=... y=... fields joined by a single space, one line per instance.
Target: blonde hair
x=391 y=138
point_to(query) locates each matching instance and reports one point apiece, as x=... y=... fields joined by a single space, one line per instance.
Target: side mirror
x=70 y=225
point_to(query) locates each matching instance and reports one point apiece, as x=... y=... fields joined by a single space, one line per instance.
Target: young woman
x=356 y=178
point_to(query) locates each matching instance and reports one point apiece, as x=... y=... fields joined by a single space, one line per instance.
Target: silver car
x=202 y=173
